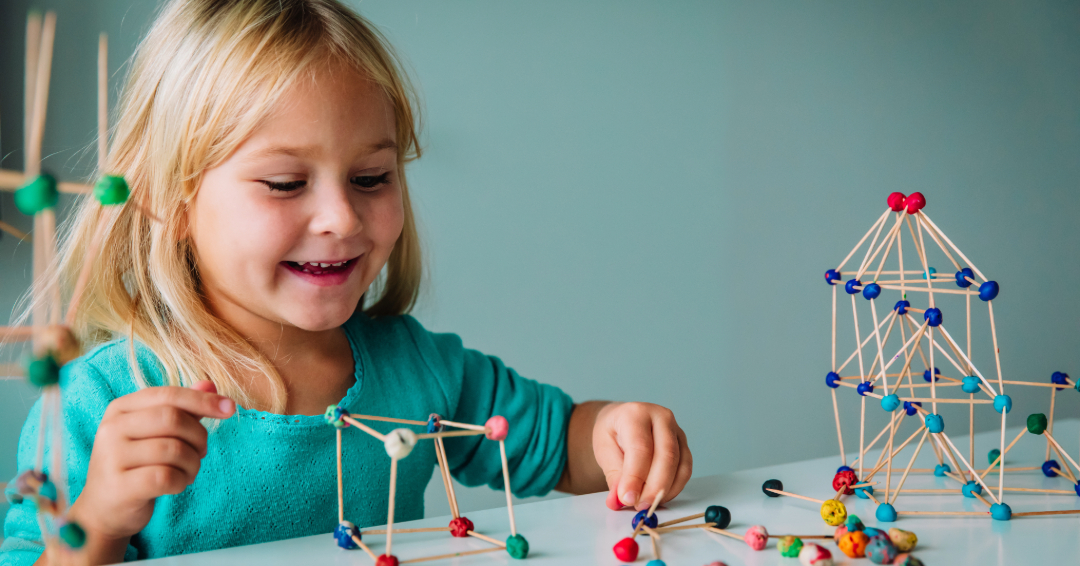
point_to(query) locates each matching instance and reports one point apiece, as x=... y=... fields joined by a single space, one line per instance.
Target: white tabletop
x=581 y=530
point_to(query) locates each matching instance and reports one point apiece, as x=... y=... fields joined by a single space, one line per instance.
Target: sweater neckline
x=347 y=402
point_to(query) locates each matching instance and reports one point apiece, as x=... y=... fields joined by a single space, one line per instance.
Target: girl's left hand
x=641 y=450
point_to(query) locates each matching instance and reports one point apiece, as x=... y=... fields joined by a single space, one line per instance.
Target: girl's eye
x=284 y=187
x=371 y=181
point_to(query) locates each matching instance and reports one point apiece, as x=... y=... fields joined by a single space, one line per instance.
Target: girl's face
x=294 y=226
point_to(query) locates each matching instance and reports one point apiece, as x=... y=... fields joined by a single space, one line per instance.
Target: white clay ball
x=399 y=443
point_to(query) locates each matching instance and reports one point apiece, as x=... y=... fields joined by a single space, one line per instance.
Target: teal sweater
x=269 y=477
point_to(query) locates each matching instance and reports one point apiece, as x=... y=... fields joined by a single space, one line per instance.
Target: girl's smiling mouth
x=322 y=273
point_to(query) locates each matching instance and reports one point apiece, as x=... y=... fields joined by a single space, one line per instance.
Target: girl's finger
x=154 y=452
x=686 y=468
x=149 y=482
x=198 y=403
x=635 y=437
x=665 y=461
x=161 y=422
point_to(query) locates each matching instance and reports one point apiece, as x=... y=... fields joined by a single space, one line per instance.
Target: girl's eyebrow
x=307 y=151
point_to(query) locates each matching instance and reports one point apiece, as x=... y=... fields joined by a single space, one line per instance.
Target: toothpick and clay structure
x=399 y=443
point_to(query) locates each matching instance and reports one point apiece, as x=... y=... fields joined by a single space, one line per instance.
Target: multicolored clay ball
x=789 y=546
x=756 y=537
x=907 y=560
x=854 y=544
x=854 y=523
x=814 y=555
x=839 y=534
x=904 y=541
x=833 y=512
x=880 y=550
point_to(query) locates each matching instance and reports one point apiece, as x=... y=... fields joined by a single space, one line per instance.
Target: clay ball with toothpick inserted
x=399 y=443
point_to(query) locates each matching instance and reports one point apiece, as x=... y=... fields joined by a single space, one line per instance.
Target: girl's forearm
x=582 y=474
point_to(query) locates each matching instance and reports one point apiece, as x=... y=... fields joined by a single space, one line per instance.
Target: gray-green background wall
x=637 y=200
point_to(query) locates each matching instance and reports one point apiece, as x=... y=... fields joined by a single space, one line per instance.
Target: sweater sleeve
x=480 y=386
x=86 y=394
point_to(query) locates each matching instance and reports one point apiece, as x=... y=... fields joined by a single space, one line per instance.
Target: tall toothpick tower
x=924 y=294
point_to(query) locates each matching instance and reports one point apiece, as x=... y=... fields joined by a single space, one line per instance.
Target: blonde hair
x=207 y=73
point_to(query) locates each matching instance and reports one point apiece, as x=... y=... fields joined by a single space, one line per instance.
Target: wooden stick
x=836 y=409
x=868 y=259
x=390 y=513
x=14 y=180
x=940 y=245
x=892 y=239
x=880 y=220
x=1062 y=452
x=725 y=533
x=1003 y=453
x=952 y=458
x=450 y=555
x=463 y=425
x=41 y=95
x=662 y=530
x=997 y=351
x=654 y=538
x=363 y=427
x=33 y=47
x=1043 y=513
x=952 y=401
x=964 y=513
x=1050 y=423
x=969 y=467
x=424 y=530
x=876 y=438
x=862 y=375
x=340 y=489
x=387 y=419
x=361 y=544
x=445 y=479
x=486 y=538
x=971 y=365
x=1067 y=471
x=506 y=484
x=449 y=481
x=448 y=434
x=983 y=499
x=895 y=452
x=15 y=232
x=864 y=343
x=795 y=495
x=931 y=224
x=103 y=101
x=680 y=520
x=15 y=333
x=922 y=290
x=903 y=478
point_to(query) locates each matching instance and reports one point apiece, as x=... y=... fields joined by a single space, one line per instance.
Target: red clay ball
x=461 y=526
x=915 y=202
x=387 y=560
x=844 y=479
x=896 y=201
x=626 y=550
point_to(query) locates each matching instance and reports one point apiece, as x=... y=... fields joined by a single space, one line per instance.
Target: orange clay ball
x=854 y=544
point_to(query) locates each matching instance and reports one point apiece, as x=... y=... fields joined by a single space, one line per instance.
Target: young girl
x=270 y=138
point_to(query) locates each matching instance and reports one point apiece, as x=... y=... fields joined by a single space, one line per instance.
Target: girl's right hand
x=149 y=443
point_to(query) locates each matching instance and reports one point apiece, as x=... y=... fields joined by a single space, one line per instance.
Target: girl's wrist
x=101 y=547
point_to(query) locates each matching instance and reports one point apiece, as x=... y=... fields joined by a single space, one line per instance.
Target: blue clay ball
x=1060 y=378
x=832 y=379
x=1046 y=468
x=864 y=388
x=864 y=492
x=941 y=469
x=885 y=513
x=901 y=307
x=890 y=402
x=650 y=521
x=971 y=488
x=962 y=277
x=926 y=375
x=871 y=291
x=970 y=384
x=989 y=291
x=844 y=469
x=935 y=423
x=933 y=316
x=832 y=276
x=909 y=407
x=1002 y=403
x=851 y=285
x=1001 y=512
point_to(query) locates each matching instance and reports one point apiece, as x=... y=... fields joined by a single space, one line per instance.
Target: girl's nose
x=334 y=214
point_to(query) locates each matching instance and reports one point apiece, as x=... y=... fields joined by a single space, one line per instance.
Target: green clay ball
x=111 y=189
x=73 y=535
x=992 y=456
x=43 y=371
x=517 y=546
x=790 y=546
x=37 y=195
x=1036 y=423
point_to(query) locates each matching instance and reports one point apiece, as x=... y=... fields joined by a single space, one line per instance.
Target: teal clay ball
x=517 y=546
x=111 y=189
x=37 y=195
x=885 y=513
x=73 y=535
x=890 y=402
x=43 y=371
x=1001 y=512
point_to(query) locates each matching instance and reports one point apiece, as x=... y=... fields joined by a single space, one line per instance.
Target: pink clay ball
x=497 y=427
x=756 y=537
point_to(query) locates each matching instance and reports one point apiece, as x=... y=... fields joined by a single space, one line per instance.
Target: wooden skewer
x=982 y=499
x=425 y=530
x=486 y=538
x=387 y=419
x=340 y=489
x=449 y=481
x=725 y=533
x=1062 y=452
x=1041 y=513
x=506 y=484
x=463 y=425
x=652 y=510
x=448 y=434
x=390 y=513
x=1002 y=455
x=16 y=333
x=821 y=537
x=965 y=513
x=680 y=520
x=14 y=180
x=445 y=478
x=795 y=495
x=654 y=538
x=662 y=530
x=363 y=427
x=450 y=555
x=15 y=232
x=361 y=544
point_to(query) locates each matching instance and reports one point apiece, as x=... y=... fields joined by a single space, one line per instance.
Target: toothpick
x=506 y=484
